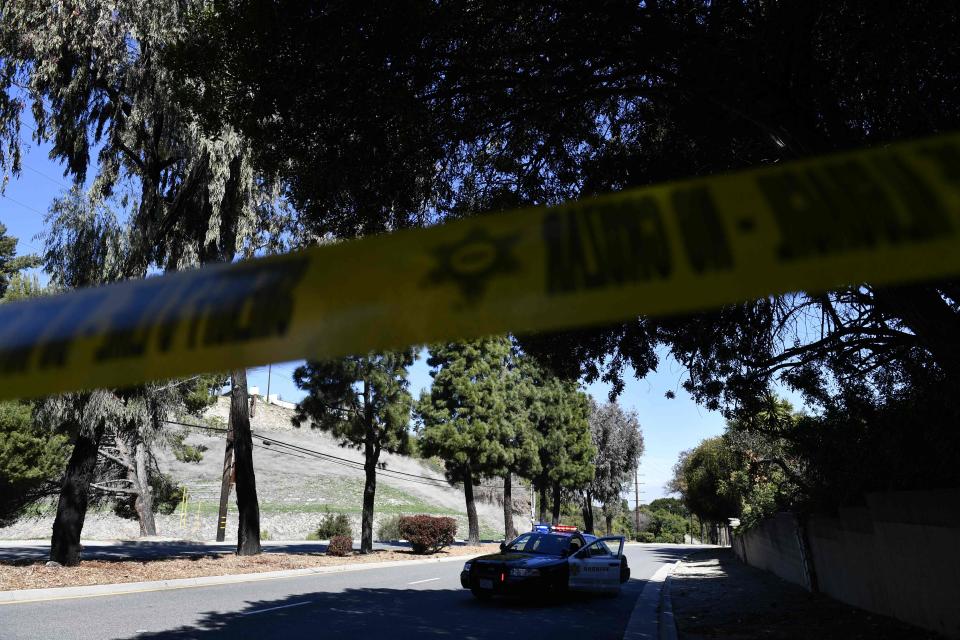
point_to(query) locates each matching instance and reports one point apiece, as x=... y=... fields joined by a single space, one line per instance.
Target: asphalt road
x=423 y=600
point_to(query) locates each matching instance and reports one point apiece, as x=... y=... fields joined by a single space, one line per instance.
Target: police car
x=549 y=560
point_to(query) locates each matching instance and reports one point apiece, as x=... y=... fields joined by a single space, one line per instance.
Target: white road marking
x=422 y=581
x=286 y=606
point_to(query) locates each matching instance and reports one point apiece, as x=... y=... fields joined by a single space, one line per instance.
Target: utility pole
x=225 y=482
x=636 y=498
x=269 y=371
x=533 y=506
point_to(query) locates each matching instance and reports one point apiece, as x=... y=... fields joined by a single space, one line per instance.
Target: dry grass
x=38 y=576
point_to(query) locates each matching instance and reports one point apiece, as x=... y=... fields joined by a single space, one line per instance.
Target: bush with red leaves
x=340 y=546
x=428 y=534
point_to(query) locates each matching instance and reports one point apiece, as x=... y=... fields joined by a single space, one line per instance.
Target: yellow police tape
x=884 y=216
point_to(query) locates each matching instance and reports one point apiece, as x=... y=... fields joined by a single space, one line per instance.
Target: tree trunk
x=587 y=512
x=144 y=501
x=226 y=479
x=473 y=525
x=508 y=531
x=542 y=515
x=369 y=494
x=74 y=496
x=248 y=528
x=608 y=518
x=371 y=455
x=556 y=503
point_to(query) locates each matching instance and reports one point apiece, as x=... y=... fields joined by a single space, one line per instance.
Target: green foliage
x=23 y=286
x=464 y=414
x=389 y=528
x=185 y=452
x=11 y=265
x=705 y=476
x=332 y=525
x=167 y=496
x=665 y=526
x=428 y=534
x=340 y=545
x=670 y=505
x=201 y=392
x=646 y=536
x=31 y=460
x=559 y=414
x=616 y=435
x=377 y=416
x=167 y=493
x=264 y=534
x=362 y=401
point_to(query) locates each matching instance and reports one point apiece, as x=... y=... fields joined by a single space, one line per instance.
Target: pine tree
x=10 y=264
x=559 y=414
x=374 y=420
x=464 y=415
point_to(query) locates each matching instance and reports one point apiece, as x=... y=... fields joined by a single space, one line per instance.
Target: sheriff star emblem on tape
x=472 y=261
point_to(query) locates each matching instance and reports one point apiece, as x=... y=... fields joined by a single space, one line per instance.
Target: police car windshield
x=546 y=543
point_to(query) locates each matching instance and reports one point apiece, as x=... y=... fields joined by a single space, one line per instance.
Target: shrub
x=340 y=546
x=334 y=524
x=264 y=534
x=389 y=529
x=646 y=536
x=427 y=534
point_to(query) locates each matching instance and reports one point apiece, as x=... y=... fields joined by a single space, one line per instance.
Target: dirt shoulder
x=716 y=596
x=35 y=575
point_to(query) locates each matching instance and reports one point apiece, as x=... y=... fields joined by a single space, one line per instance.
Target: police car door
x=596 y=567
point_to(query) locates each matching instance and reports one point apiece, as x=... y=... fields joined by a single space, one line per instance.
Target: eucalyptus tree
x=86 y=245
x=618 y=441
x=362 y=401
x=192 y=195
x=464 y=416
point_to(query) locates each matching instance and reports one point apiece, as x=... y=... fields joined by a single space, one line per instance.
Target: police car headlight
x=524 y=573
x=466 y=566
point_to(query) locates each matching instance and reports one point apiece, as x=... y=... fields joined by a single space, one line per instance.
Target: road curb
x=22 y=596
x=652 y=616
x=643 y=623
x=666 y=622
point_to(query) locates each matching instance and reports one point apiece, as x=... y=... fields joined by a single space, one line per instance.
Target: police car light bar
x=564 y=528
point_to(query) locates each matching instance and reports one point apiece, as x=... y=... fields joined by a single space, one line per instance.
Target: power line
x=48 y=177
x=25 y=206
x=352 y=464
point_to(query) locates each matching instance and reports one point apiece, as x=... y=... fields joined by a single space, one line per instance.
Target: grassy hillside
x=295 y=491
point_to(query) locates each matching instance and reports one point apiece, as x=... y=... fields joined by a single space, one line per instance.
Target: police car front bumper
x=509 y=585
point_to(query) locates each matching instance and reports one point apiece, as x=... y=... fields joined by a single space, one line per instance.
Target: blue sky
x=669 y=426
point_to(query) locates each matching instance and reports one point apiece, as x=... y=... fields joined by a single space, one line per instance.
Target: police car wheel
x=480 y=594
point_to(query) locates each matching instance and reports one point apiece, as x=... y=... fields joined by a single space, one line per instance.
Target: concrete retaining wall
x=898 y=556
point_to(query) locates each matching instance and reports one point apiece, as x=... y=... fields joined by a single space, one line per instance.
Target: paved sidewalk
x=717 y=596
